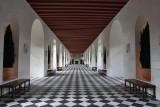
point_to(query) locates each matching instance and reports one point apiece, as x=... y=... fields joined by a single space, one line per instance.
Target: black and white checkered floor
x=77 y=86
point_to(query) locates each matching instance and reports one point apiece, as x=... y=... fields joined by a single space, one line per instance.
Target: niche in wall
x=10 y=63
x=62 y=60
x=142 y=37
x=96 y=56
x=57 y=60
x=72 y=61
x=90 y=58
x=145 y=48
x=104 y=55
x=49 y=55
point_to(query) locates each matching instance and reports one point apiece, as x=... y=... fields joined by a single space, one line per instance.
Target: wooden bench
x=94 y=68
x=16 y=87
x=139 y=87
x=50 y=71
x=102 y=71
x=59 y=68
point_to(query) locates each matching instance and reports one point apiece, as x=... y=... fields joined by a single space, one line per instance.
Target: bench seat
x=51 y=72
x=139 y=87
x=102 y=71
x=59 y=68
x=16 y=87
x=94 y=68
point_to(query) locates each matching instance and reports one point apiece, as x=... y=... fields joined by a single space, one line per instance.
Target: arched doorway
x=37 y=50
x=116 y=50
x=93 y=60
x=54 y=55
x=49 y=55
x=104 y=55
x=142 y=39
x=89 y=57
x=11 y=49
x=96 y=56
x=64 y=58
x=60 y=56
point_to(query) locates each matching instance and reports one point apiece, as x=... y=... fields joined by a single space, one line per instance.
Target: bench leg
x=29 y=84
x=135 y=89
x=125 y=85
x=12 y=92
x=1 y=91
x=24 y=86
x=19 y=88
x=130 y=86
x=143 y=93
x=154 y=95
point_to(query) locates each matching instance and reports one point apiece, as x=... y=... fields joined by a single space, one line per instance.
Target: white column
x=69 y=58
x=60 y=56
x=100 y=55
x=54 y=56
x=93 y=63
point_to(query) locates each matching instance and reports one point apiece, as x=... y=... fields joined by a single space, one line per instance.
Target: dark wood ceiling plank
x=77 y=23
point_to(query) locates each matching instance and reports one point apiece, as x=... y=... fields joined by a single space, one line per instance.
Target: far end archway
x=116 y=50
x=37 y=50
x=142 y=39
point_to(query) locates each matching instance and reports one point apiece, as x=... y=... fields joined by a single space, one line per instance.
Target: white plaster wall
x=54 y=55
x=25 y=18
x=60 y=56
x=128 y=17
x=100 y=55
x=93 y=62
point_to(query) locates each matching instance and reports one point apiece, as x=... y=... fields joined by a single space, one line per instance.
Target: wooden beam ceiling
x=77 y=23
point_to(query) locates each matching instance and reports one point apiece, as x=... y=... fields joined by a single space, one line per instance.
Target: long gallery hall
x=79 y=53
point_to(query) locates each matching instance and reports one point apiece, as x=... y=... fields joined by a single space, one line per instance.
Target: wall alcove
x=9 y=62
x=57 y=60
x=49 y=55
x=11 y=48
x=142 y=39
x=104 y=55
x=96 y=56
